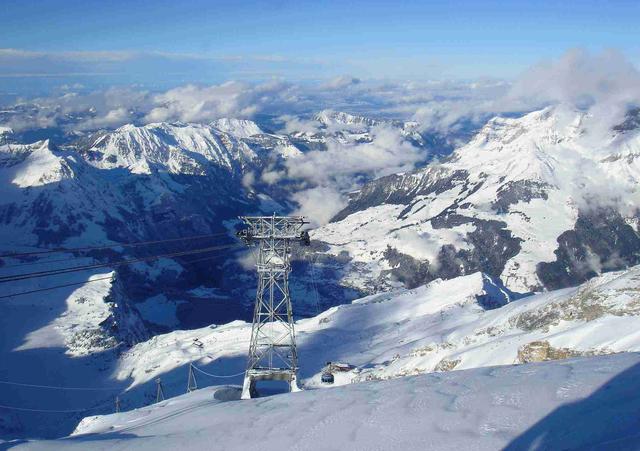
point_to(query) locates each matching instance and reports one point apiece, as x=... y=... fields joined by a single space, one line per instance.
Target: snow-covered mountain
x=462 y=323
x=539 y=201
x=467 y=322
x=135 y=184
x=240 y=128
x=177 y=148
x=151 y=182
x=349 y=128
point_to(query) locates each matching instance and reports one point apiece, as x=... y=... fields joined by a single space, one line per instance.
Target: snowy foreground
x=586 y=403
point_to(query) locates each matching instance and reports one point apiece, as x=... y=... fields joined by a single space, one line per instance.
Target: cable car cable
x=134 y=244
x=54 y=272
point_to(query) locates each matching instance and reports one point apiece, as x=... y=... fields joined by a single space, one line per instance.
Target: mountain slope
x=455 y=324
x=463 y=323
x=539 y=202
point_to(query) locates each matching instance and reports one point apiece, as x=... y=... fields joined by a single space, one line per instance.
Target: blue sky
x=164 y=43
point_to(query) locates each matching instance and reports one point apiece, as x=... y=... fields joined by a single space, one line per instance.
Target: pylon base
x=252 y=376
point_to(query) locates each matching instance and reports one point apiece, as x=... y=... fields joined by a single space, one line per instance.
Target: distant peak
x=330 y=117
x=240 y=128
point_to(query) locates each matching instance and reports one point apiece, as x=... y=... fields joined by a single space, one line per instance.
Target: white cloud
x=232 y=99
x=294 y=124
x=579 y=78
x=248 y=180
x=341 y=167
x=270 y=176
x=341 y=82
x=388 y=152
x=319 y=204
x=604 y=83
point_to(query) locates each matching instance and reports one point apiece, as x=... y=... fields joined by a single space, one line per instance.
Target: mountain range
x=518 y=246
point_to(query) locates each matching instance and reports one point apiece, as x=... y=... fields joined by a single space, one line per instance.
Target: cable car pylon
x=272 y=350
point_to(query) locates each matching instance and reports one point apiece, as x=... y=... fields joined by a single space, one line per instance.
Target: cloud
x=90 y=111
x=112 y=118
x=344 y=166
x=578 y=78
x=293 y=124
x=604 y=84
x=388 y=152
x=319 y=204
x=248 y=180
x=232 y=99
x=341 y=82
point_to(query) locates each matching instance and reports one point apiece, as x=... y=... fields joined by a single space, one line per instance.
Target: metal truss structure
x=272 y=351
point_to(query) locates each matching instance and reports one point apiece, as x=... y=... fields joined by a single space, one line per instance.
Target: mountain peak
x=330 y=117
x=240 y=128
x=181 y=148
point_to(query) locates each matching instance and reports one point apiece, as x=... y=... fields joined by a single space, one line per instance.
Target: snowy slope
x=581 y=403
x=68 y=337
x=180 y=148
x=461 y=323
x=541 y=201
x=240 y=128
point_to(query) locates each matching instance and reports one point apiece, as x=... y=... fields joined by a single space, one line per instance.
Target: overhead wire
x=53 y=272
x=88 y=267
x=25 y=409
x=216 y=375
x=44 y=262
x=23 y=293
x=108 y=246
x=38 y=290
x=59 y=387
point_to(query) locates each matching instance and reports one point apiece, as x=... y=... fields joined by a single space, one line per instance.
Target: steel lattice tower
x=272 y=351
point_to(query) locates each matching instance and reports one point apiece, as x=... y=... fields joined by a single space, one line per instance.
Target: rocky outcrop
x=542 y=351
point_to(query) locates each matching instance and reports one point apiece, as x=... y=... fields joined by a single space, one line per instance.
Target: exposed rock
x=587 y=304
x=542 y=351
x=600 y=241
x=519 y=191
x=446 y=365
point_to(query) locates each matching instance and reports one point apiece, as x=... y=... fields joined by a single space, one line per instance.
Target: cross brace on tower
x=272 y=351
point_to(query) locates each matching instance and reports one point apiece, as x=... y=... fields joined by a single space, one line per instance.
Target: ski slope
x=586 y=403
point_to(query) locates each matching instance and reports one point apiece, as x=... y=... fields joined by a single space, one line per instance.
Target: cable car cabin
x=305 y=239
x=327 y=378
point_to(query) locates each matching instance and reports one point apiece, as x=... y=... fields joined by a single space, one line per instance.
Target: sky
x=69 y=67
x=161 y=44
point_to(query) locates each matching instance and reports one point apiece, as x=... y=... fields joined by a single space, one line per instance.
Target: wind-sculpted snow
x=541 y=201
x=575 y=404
